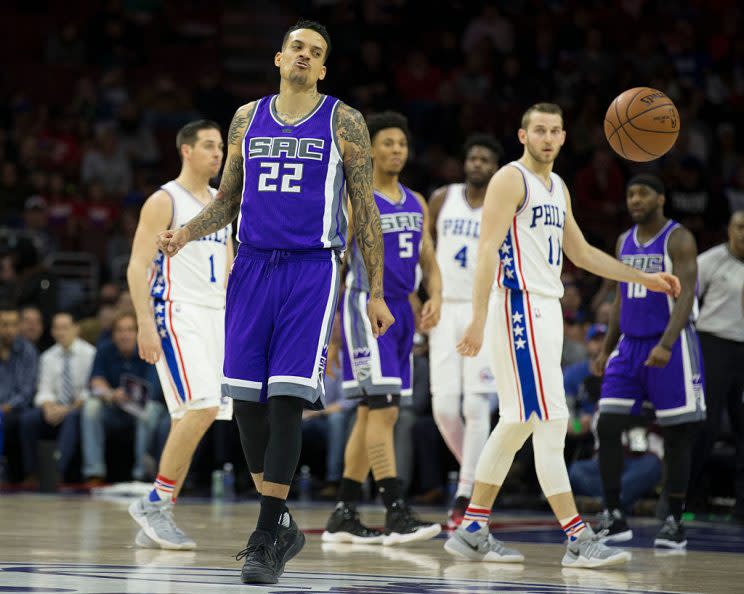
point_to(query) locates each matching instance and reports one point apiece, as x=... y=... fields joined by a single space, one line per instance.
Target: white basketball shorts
x=524 y=334
x=190 y=369
x=451 y=373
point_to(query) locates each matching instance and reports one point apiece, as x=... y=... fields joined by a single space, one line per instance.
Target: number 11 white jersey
x=458 y=231
x=531 y=256
x=198 y=272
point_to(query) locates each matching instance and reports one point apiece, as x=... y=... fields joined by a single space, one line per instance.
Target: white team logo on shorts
x=361 y=363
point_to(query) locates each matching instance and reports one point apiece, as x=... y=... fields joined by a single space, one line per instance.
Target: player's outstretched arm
x=586 y=256
x=356 y=153
x=154 y=218
x=504 y=194
x=432 y=309
x=683 y=252
x=226 y=205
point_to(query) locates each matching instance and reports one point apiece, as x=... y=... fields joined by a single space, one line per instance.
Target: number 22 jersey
x=293 y=188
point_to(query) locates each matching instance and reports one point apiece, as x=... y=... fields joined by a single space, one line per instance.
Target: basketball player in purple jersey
x=378 y=371
x=526 y=226
x=289 y=158
x=652 y=353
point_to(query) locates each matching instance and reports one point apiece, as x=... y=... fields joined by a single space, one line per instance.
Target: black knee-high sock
x=285 y=441
x=677 y=457
x=609 y=429
x=253 y=425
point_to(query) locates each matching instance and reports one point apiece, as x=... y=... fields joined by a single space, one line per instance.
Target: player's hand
x=430 y=313
x=148 y=342
x=662 y=282
x=599 y=363
x=471 y=342
x=379 y=316
x=170 y=242
x=658 y=357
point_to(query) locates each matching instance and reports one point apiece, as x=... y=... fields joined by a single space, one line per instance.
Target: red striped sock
x=475 y=518
x=162 y=489
x=573 y=527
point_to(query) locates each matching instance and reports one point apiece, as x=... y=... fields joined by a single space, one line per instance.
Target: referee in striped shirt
x=720 y=326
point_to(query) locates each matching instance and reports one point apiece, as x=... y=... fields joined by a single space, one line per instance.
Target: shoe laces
x=254 y=547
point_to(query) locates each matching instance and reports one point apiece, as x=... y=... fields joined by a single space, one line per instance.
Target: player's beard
x=538 y=156
x=297 y=78
x=478 y=181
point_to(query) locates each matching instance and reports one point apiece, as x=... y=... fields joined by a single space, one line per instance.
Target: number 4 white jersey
x=197 y=273
x=531 y=256
x=458 y=230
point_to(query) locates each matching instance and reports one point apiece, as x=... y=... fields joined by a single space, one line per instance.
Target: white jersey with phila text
x=531 y=256
x=197 y=274
x=458 y=231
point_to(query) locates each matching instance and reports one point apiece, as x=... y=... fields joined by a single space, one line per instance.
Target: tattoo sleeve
x=357 y=160
x=226 y=204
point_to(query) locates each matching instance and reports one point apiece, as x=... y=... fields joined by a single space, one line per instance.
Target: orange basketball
x=641 y=124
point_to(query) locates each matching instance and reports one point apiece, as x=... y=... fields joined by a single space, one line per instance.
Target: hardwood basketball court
x=73 y=544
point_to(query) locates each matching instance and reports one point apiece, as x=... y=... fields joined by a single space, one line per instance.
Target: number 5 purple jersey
x=294 y=179
x=402 y=225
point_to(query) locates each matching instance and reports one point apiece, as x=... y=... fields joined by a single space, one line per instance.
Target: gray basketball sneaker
x=145 y=542
x=156 y=520
x=480 y=546
x=588 y=551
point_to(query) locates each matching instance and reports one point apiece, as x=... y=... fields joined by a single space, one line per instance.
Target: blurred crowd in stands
x=89 y=110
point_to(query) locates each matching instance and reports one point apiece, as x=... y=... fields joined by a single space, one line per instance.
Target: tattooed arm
x=356 y=153
x=225 y=207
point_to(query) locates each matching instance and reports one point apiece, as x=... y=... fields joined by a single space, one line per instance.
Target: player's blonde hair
x=550 y=108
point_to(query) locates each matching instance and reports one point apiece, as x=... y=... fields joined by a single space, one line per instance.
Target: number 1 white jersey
x=458 y=230
x=197 y=273
x=531 y=256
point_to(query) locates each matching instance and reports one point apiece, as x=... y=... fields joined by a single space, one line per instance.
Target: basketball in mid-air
x=641 y=124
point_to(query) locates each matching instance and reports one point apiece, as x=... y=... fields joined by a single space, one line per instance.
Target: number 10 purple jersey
x=645 y=313
x=293 y=186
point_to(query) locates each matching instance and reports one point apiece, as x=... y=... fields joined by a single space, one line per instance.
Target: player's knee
x=204 y=416
x=445 y=407
x=475 y=408
x=383 y=416
x=610 y=426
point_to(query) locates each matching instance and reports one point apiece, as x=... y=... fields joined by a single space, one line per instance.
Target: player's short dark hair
x=486 y=141
x=387 y=119
x=190 y=133
x=313 y=26
x=550 y=108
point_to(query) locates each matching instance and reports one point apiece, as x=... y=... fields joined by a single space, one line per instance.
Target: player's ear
x=278 y=59
x=322 y=74
x=662 y=200
x=522 y=135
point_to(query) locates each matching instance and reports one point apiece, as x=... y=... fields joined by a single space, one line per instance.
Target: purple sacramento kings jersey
x=645 y=313
x=293 y=184
x=402 y=224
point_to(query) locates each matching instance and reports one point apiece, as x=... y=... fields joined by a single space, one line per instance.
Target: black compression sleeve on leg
x=285 y=439
x=677 y=456
x=253 y=424
x=609 y=429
